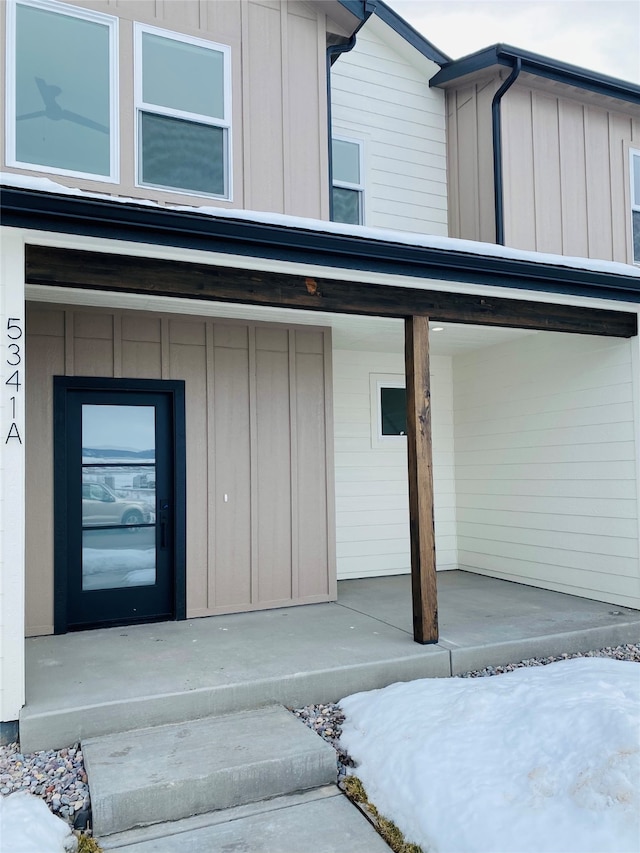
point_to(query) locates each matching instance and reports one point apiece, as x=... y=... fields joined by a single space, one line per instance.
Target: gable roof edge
x=542 y=66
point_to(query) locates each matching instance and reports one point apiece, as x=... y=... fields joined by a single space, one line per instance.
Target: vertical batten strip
x=211 y=464
x=293 y=432
x=330 y=467
x=421 y=521
x=245 y=69
x=165 y=369
x=286 y=116
x=68 y=343
x=253 y=466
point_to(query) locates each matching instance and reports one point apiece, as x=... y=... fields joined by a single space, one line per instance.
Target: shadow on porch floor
x=107 y=680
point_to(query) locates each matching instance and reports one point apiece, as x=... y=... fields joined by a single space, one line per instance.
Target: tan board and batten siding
x=372 y=502
x=380 y=95
x=565 y=168
x=258 y=415
x=278 y=102
x=546 y=465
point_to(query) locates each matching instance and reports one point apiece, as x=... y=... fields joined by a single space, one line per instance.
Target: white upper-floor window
x=61 y=106
x=635 y=204
x=183 y=113
x=348 y=181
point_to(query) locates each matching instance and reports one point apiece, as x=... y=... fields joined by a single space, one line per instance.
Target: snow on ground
x=27 y=826
x=539 y=760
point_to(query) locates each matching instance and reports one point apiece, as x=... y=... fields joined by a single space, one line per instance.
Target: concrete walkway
x=320 y=821
x=103 y=681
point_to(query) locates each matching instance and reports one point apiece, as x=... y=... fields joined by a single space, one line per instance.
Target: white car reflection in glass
x=101 y=506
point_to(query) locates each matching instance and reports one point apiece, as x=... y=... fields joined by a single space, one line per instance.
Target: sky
x=601 y=35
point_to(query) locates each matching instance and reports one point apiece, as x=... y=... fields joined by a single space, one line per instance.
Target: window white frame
x=378 y=381
x=634 y=167
x=348 y=185
x=142 y=107
x=10 y=107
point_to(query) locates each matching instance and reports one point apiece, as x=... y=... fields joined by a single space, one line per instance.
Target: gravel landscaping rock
x=58 y=777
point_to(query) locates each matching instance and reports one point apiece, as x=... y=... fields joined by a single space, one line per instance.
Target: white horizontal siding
x=546 y=464
x=381 y=96
x=372 y=504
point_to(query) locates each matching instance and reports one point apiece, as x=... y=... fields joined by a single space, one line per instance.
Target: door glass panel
x=118 y=496
x=118 y=557
x=118 y=433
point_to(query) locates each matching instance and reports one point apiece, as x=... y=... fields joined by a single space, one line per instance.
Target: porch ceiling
x=350 y=332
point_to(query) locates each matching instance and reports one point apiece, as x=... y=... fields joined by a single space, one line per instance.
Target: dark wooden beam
x=152 y=276
x=423 y=544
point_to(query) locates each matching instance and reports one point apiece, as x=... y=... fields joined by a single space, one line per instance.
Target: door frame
x=175 y=390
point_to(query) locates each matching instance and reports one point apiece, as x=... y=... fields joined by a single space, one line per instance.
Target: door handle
x=164 y=522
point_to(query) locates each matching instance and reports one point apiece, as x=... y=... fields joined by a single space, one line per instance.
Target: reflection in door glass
x=118 y=497
x=118 y=558
x=118 y=434
x=118 y=494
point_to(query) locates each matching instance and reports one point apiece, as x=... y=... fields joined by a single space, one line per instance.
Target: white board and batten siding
x=546 y=464
x=380 y=96
x=372 y=504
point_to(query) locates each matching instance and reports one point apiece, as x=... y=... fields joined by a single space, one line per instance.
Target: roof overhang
x=460 y=71
x=343 y=16
x=407 y=33
x=318 y=244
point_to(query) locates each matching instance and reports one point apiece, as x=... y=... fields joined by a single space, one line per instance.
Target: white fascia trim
x=114 y=113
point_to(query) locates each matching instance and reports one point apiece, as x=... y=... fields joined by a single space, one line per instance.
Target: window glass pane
x=182 y=154
x=62 y=91
x=393 y=404
x=182 y=76
x=346 y=161
x=346 y=205
x=636 y=236
x=636 y=179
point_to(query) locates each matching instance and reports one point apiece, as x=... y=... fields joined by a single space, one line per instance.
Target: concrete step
x=318 y=821
x=166 y=773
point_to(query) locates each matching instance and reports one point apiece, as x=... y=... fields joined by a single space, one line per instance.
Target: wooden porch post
x=423 y=555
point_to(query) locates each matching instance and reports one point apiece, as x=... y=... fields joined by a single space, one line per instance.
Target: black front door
x=119 y=502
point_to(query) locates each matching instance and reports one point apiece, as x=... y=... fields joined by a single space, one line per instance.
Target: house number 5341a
x=14 y=382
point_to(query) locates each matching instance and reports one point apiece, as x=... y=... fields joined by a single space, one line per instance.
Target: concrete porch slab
x=109 y=680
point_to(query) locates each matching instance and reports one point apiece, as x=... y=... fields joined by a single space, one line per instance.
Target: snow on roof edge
x=403 y=238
